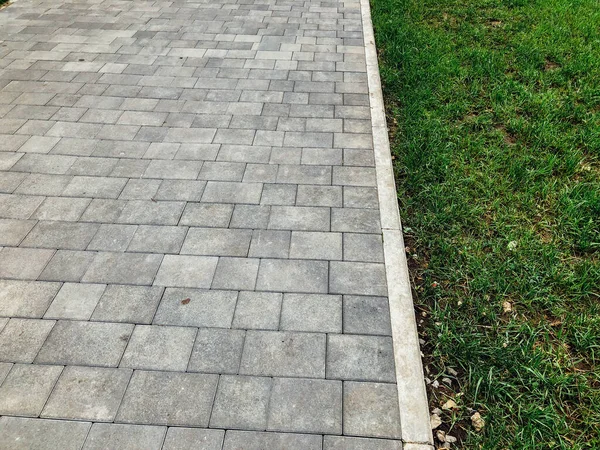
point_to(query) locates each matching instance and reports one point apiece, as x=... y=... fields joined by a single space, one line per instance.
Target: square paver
x=85 y=343
x=204 y=308
x=186 y=271
x=123 y=268
x=281 y=354
x=355 y=443
x=21 y=339
x=124 y=437
x=217 y=242
x=312 y=312
x=258 y=310
x=300 y=405
x=23 y=263
x=367 y=315
x=357 y=278
x=254 y=440
x=13 y=231
x=168 y=398
x=292 y=276
x=87 y=393
x=241 y=403
x=270 y=244
x=236 y=273
x=26 y=298
x=371 y=410
x=67 y=265
x=181 y=438
x=75 y=301
x=132 y=304
x=26 y=389
x=217 y=351
x=159 y=348
x=19 y=433
x=361 y=358
x=363 y=247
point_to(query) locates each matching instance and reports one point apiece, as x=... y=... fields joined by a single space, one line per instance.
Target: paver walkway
x=191 y=251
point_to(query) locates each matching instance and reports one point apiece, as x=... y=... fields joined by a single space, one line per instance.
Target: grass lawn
x=494 y=114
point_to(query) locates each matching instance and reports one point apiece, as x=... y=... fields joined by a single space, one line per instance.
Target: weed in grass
x=494 y=112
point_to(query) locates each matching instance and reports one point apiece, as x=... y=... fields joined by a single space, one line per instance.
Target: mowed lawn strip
x=494 y=115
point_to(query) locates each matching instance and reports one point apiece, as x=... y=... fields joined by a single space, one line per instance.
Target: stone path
x=191 y=250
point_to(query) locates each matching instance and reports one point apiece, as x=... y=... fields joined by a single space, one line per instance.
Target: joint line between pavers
x=412 y=396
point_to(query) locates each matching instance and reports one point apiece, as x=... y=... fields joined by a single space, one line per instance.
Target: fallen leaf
x=185 y=301
x=477 y=421
x=450 y=404
x=435 y=421
x=507 y=307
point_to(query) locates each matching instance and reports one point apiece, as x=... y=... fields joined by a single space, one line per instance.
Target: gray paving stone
x=354 y=443
x=132 y=304
x=270 y=244
x=241 y=403
x=361 y=358
x=186 y=271
x=41 y=184
x=207 y=215
x=217 y=242
x=297 y=174
x=140 y=190
x=103 y=210
x=20 y=433
x=179 y=438
x=356 y=278
x=124 y=437
x=157 y=239
x=96 y=187
x=222 y=171
x=303 y=218
x=168 y=398
x=23 y=263
x=75 y=301
x=355 y=220
x=112 y=238
x=142 y=212
x=278 y=194
x=67 y=265
x=275 y=353
x=18 y=206
x=314 y=195
x=231 y=192
x=85 y=343
x=250 y=216
x=316 y=245
x=312 y=312
x=205 y=308
x=367 y=315
x=26 y=389
x=235 y=273
x=371 y=410
x=123 y=268
x=87 y=393
x=252 y=440
x=217 y=351
x=4 y=367
x=180 y=190
x=363 y=247
x=292 y=276
x=13 y=231
x=159 y=348
x=26 y=298
x=58 y=208
x=300 y=405
x=21 y=339
x=61 y=235
x=258 y=310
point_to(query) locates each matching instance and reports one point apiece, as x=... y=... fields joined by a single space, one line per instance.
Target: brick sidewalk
x=191 y=251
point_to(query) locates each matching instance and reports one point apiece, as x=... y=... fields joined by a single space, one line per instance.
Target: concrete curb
x=412 y=396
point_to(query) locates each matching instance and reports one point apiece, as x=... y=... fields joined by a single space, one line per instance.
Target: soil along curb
x=412 y=396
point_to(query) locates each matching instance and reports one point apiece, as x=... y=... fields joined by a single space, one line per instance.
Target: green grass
x=494 y=112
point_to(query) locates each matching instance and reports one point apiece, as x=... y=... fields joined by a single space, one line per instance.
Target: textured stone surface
x=189 y=217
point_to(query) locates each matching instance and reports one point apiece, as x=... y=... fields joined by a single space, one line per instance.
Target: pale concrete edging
x=412 y=395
